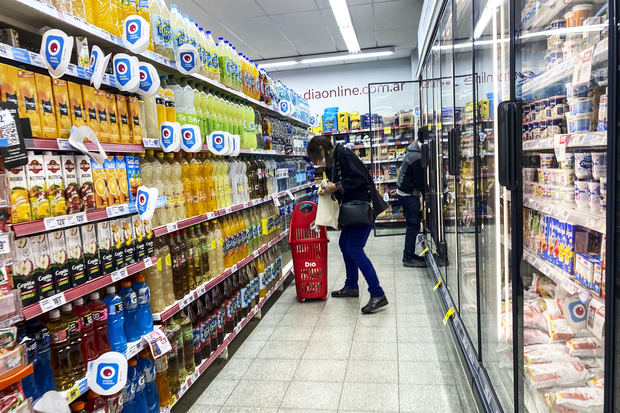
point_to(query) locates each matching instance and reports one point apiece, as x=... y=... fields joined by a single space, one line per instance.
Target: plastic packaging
x=130 y=306
x=116 y=319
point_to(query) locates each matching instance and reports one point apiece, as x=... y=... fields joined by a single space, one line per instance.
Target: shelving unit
x=575 y=140
x=567 y=214
x=346 y=132
x=64 y=146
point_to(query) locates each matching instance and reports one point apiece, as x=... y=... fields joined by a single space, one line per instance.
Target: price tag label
x=183 y=388
x=77 y=219
x=583 y=66
x=210 y=215
x=276 y=202
x=52 y=302
x=52 y=223
x=151 y=143
x=5 y=245
x=233 y=268
x=64 y=145
x=560 y=143
x=157 y=342
x=238 y=328
x=148 y=262
x=387 y=130
x=73 y=393
x=173 y=226
x=227 y=210
x=201 y=290
x=119 y=274
x=116 y=210
x=290 y=195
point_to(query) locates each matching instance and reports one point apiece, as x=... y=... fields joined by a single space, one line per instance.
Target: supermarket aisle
x=328 y=356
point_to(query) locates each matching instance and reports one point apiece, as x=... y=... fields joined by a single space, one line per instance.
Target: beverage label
x=144 y=295
x=221 y=316
x=117 y=243
x=58 y=337
x=37 y=189
x=129 y=246
x=168 y=260
x=63 y=113
x=196 y=334
x=115 y=308
x=106 y=252
x=99 y=182
x=139 y=237
x=20 y=204
x=86 y=187
x=91 y=255
x=59 y=266
x=159 y=264
x=130 y=301
x=100 y=315
x=75 y=253
x=121 y=176
x=244 y=297
x=149 y=243
x=213 y=325
x=23 y=271
x=86 y=321
x=114 y=129
x=101 y=104
x=54 y=184
x=157 y=29
x=69 y=178
x=42 y=265
x=179 y=38
x=45 y=100
x=122 y=110
x=111 y=180
x=28 y=106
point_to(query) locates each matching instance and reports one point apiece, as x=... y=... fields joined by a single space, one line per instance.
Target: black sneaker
x=414 y=262
x=345 y=292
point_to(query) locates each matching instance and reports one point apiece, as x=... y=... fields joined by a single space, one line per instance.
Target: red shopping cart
x=309 y=247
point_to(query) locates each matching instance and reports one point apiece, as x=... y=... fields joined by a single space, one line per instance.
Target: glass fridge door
x=562 y=63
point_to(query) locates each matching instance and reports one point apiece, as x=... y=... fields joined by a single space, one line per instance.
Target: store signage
x=55 y=51
x=149 y=79
x=108 y=374
x=136 y=33
x=98 y=63
x=187 y=59
x=127 y=72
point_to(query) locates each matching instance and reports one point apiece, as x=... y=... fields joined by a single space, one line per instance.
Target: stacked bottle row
x=192 y=256
x=61 y=343
x=195 y=184
x=196 y=332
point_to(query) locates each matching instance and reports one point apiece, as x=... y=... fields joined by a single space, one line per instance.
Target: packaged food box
x=61 y=102
x=149 y=237
x=134 y=119
x=91 y=253
x=90 y=108
x=134 y=176
x=55 y=184
x=121 y=176
x=76 y=104
x=86 y=187
x=23 y=272
x=101 y=103
x=69 y=178
x=139 y=237
x=116 y=229
x=113 y=118
x=343 y=120
x=111 y=178
x=37 y=190
x=20 y=198
x=598 y=276
x=99 y=184
x=106 y=250
x=122 y=112
x=8 y=84
x=75 y=251
x=28 y=106
x=60 y=260
x=45 y=100
x=42 y=265
x=129 y=248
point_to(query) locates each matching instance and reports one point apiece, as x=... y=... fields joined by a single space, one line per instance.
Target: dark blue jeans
x=411 y=208
x=352 y=241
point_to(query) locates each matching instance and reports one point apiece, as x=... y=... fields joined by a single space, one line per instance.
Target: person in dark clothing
x=409 y=187
x=350 y=181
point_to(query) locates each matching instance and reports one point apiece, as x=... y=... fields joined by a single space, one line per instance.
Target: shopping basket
x=309 y=248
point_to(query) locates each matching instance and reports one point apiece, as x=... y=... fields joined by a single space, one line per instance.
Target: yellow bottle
x=260 y=269
x=160 y=103
x=197 y=185
x=186 y=180
x=89 y=7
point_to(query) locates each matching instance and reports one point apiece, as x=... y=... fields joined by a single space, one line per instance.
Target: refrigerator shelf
x=596 y=222
x=576 y=140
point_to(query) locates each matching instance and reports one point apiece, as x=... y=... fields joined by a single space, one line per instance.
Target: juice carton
x=597 y=276
x=69 y=178
x=55 y=184
x=75 y=251
x=123 y=118
x=45 y=100
x=109 y=165
x=86 y=187
x=106 y=252
x=9 y=84
x=20 y=202
x=42 y=265
x=63 y=114
x=129 y=247
x=37 y=191
x=113 y=118
x=23 y=272
x=60 y=264
x=99 y=183
x=134 y=119
x=76 y=104
x=90 y=108
x=134 y=176
x=121 y=175
x=139 y=237
x=569 y=249
x=91 y=254
x=116 y=230
x=149 y=237
x=101 y=103
x=28 y=107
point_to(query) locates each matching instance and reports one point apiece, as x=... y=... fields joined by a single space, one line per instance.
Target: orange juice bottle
x=123 y=118
x=160 y=103
x=115 y=134
x=121 y=175
x=111 y=180
x=45 y=100
x=63 y=114
x=90 y=108
x=101 y=190
x=198 y=187
x=76 y=104
x=101 y=103
x=135 y=122
x=191 y=200
x=28 y=106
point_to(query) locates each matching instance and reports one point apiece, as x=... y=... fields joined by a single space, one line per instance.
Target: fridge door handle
x=453 y=152
x=425 y=155
x=509 y=144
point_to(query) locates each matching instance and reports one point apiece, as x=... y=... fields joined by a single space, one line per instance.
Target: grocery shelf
x=199 y=291
x=383 y=221
x=286 y=271
x=31 y=15
x=561 y=211
x=383 y=161
x=15 y=375
x=188 y=222
x=389 y=181
x=382 y=128
x=558 y=275
x=556 y=73
x=575 y=140
x=98 y=283
x=252 y=151
x=63 y=145
x=379 y=145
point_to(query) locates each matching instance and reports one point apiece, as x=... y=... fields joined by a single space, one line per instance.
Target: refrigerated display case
x=521 y=161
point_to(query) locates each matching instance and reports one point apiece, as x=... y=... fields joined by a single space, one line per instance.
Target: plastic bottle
x=161 y=214
x=87 y=330
x=166 y=269
x=129 y=391
x=177 y=27
x=100 y=321
x=175 y=179
x=116 y=320
x=96 y=404
x=161 y=380
x=191 y=31
x=167 y=31
x=196 y=332
x=177 y=92
x=179 y=374
x=78 y=9
x=146 y=367
x=222 y=54
x=188 y=340
x=164 y=186
x=107 y=16
x=177 y=267
x=145 y=319
x=169 y=100
x=197 y=183
x=130 y=306
x=78 y=370
x=196 y=256
x=61 y=364
x=78 y=407
x=140 y=403
x=157 y=26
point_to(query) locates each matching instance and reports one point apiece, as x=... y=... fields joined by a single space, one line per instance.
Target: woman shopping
x=360 y=204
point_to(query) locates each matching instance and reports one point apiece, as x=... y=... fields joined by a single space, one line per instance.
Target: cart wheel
x=324 y=298
x=301 y=300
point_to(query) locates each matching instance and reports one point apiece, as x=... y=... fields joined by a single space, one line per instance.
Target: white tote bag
x=327 y=211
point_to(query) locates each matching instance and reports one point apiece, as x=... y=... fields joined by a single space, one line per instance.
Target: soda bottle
x=137 y=374
x=96 y=404
x=260 y=270
x=177 y=28
x=114 y=402
x=221 y=321
x=144 y=317
x=116 y=320
x=191 y=265
x=61 y=364
x=188 y=340
x=161 y=380
x=177 y=267
x=129 y=391
x=245 y=292
x=100 y=321
x=78 y=407
x=153 y=278
x=164 y=265
x=87 y=330
x=175 y=176
x=130 y=307
x=147 y=369
x=172 y=361
x=168 y=186
x=205 y=336
x=196 y=332
x=212 y=319
x=29 y=385
x=185 y=263
x=228 y=307
x=44 y=378
x=75 y=341
x=196 y=256
x=161 y=214
x=181 y=372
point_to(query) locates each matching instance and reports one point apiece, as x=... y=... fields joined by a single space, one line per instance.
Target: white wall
x=346 y=86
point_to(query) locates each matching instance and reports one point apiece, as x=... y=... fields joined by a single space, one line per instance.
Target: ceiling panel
x=302 y=25
x=272 y=50
x=227 y=9
x=397 y=14
x=315 y=46
x=398 y=38
x=255 y=29
x=286 y=6
x=362 y=17
x=366 y=39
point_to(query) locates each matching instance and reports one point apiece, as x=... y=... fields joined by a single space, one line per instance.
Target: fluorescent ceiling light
x=485 y=17
x=284 y=63
x=348 y=57
x=343 y=18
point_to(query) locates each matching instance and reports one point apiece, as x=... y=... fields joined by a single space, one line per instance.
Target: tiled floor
x=327 y=356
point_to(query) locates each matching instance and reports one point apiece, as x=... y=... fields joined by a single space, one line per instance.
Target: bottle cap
x=54 y=314
x=94 y=295
x=110 y=289
x=78 y=301
x=92 y=394
x=132 y=362
x=66 y=307
x=139 y=278
x=173 y=6
x=125 y=284
x=77 y=406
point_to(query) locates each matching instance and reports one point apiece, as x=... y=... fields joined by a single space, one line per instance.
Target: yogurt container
x=583 y=165
x=546 y=160
x=580 y=13
x=599 y=164
x=569 y=19
x=554 y=126
x=579 y=123
x=564 y=177
x=567 y=194
x=602 y=114
x=529 y=174
x=594 y=194
x=578 y=90
x=581 y=194
x=581 y=105
x=603 y=192
x=568 y=162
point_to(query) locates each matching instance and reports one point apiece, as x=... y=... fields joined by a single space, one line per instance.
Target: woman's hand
x=330 y=188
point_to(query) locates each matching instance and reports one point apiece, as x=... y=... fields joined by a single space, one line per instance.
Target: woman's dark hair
x=315 y=145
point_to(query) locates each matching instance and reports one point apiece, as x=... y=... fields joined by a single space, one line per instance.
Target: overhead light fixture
x=348 y=57
x=343 y=19
x=485 y=17
x=271 y=65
